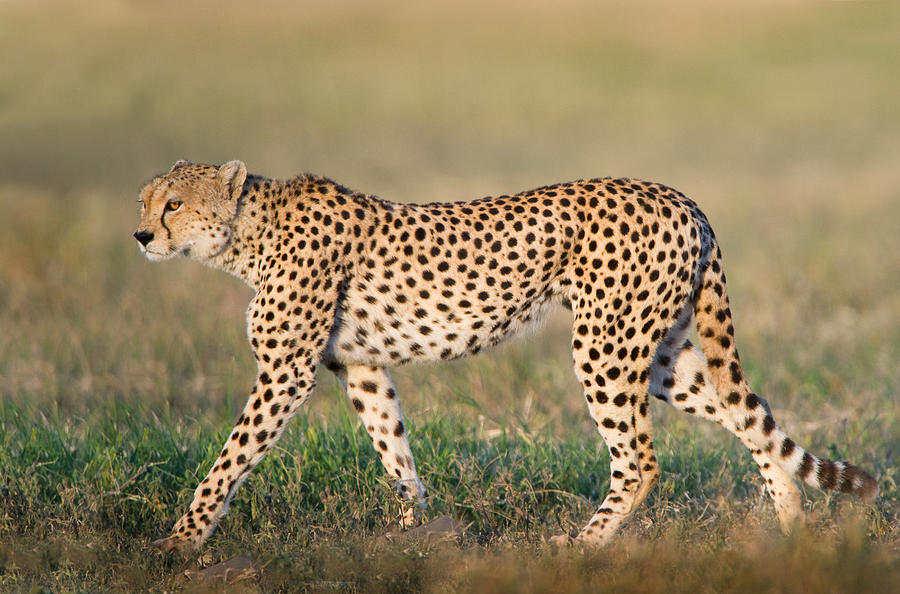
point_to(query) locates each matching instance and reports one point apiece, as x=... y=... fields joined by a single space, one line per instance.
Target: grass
x=84 y=496
x=119 y=378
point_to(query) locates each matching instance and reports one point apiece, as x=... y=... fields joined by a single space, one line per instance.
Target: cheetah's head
x=190 y=210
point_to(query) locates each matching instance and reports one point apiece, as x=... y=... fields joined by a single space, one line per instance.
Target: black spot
x=827 y=474
x=787 y=448
x=736 y=375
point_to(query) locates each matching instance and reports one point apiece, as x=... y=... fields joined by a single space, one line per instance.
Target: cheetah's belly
x=366 y=334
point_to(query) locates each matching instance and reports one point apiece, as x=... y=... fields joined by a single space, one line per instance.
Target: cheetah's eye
x=173 y=205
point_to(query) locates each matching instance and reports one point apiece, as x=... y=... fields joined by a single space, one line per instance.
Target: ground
x=780 y=122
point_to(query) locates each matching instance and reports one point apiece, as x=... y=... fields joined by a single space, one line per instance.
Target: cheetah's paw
x=173 y=544
x=562 y=541
x=411 y=518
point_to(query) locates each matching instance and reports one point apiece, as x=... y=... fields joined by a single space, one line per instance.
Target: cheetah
x=359 y=284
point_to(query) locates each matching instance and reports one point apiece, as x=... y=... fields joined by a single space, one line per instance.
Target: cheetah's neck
x=269 y=208
x=241 y=257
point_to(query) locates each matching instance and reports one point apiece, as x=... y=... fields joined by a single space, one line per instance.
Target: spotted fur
x=360 y=284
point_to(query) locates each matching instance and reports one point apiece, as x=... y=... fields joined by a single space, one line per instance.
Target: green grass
x=83 y=497
x=120 y=378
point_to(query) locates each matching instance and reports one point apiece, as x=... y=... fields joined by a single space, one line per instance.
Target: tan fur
x=359 y=284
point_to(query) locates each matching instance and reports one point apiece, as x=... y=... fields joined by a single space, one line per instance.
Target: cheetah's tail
x=751 y=413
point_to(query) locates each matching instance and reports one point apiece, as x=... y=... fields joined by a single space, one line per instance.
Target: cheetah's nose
x=144 y=237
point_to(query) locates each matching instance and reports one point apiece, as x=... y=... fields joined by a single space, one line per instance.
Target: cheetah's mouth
x=156 y=256
x=186 y=249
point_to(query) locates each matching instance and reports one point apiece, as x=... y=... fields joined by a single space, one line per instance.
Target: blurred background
x=780 y=118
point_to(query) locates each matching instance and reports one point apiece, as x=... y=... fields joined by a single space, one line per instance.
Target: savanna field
x=120 y=379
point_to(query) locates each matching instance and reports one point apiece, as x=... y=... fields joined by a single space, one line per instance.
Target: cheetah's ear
x=233 y=174
x=179 y=164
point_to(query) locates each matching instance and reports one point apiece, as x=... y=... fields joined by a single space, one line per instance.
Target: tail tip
x=864 y=486
x=869 y=489
x=848 y=479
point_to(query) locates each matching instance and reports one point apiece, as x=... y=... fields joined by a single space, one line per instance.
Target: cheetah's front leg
x=274 y=400
x=285 y=379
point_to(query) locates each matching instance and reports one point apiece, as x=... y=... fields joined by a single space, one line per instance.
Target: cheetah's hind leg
x=680 y=376
x=615 y=390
